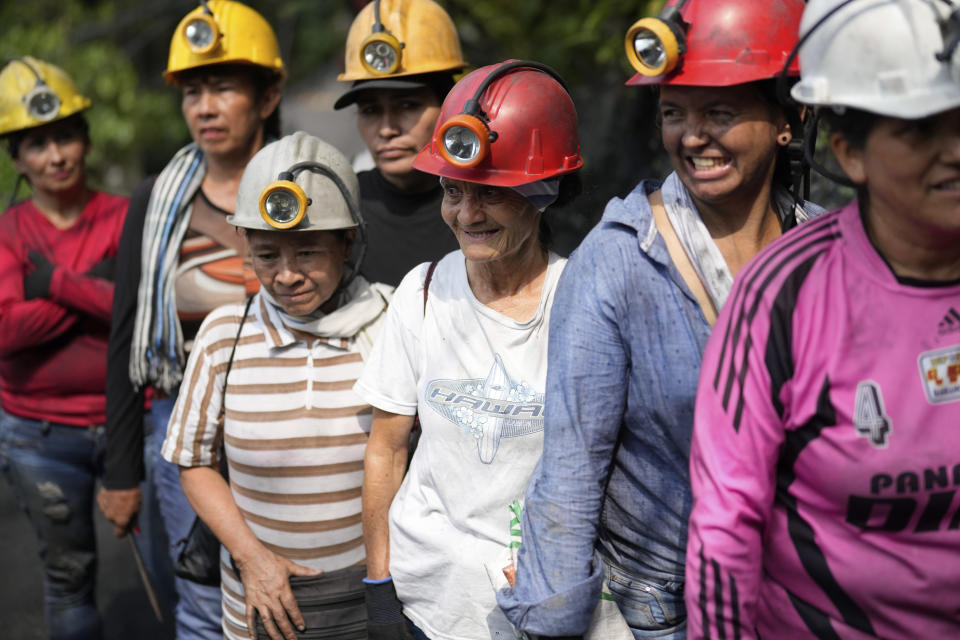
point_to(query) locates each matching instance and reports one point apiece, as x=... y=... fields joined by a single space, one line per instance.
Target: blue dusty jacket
x=626 y=341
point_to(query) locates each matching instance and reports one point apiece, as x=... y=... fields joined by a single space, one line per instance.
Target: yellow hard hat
x=395 y=38
x=33 y=93
x=222 y=32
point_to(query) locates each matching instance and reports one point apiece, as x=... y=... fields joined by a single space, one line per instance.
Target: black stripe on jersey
x=751 y=313
x=810 y=234
x=704 y=617
x=734 y=608
x=808 y=229
x=720 y=619
x=801 y=533
x=743 y=317
x=718 y=599
x=779 y=355
x=816 y=620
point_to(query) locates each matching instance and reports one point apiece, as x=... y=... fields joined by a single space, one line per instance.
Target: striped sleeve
x=195 y=430
x=738 y=433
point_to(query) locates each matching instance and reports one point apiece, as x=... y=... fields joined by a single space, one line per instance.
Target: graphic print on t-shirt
x=488 y=408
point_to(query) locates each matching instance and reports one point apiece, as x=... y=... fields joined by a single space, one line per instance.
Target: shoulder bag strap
x=223 y=397
x=426 y=283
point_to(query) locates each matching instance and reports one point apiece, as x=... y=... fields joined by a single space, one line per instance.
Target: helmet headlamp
x=283 y=204
x=42 y=102
x=464 y=140
x=380 y=52
x=201 y=32
x=655 y=45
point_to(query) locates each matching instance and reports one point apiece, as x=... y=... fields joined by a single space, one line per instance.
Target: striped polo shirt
x=294 y=434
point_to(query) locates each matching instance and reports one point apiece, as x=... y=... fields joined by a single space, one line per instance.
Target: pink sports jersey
x=825 y=460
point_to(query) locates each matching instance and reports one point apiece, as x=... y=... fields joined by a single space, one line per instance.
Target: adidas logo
x=950 y=322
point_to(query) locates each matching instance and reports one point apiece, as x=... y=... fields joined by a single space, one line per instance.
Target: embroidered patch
x=869 y=416
x=940 y=372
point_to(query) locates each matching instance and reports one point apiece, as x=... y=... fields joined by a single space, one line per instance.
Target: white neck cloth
x=359 y=306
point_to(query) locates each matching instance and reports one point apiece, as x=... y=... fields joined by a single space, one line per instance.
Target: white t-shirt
x=477 y=379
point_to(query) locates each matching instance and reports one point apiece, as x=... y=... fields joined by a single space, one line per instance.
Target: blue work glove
x=36 y=284
x=385 y=619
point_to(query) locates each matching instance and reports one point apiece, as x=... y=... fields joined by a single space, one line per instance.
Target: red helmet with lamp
x=714 y=43
x=505 y=125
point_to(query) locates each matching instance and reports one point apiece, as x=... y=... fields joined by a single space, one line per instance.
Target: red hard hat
x=730 y=42
x=526 y=128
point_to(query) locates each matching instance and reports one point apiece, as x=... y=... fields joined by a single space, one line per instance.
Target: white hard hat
x=299 y=183
x=880 y=56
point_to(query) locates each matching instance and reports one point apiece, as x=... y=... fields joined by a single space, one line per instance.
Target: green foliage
x=580 y=38
x=115 y=50
x=126 y=119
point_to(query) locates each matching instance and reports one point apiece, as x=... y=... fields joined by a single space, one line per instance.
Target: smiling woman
x=472 y=326
x=609 y=502
x=811 y=401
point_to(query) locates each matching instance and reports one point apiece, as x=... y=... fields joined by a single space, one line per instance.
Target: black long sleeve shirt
x=123 y=461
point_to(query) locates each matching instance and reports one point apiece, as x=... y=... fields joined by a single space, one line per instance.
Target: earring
x=784 y=138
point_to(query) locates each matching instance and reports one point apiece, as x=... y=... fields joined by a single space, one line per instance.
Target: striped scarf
x=156 y=353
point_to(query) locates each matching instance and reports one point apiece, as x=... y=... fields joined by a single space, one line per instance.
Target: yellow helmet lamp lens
x=380 y=53
x=283 y=204
x=464 y=141
x=652 y=47
x=42 y=103
x=201 y=34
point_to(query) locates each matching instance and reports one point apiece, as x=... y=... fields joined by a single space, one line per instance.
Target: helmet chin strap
x=810 y=145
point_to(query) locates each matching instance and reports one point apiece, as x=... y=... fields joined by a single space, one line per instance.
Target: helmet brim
x=427 y=161
x=361 y=86
x=721 y=73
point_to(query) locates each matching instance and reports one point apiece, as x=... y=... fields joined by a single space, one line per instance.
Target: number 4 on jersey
x=868 y=415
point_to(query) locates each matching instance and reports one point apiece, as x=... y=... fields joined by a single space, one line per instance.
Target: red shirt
x=53 y=351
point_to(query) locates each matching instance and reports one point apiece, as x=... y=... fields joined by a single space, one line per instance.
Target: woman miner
x=464 y=349
x=824 y=456
x=271 y=382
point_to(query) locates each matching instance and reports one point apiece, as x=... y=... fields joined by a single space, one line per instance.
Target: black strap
x=223 y=396
x=233 y=352
x=426 y=283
